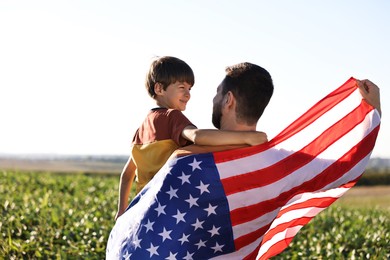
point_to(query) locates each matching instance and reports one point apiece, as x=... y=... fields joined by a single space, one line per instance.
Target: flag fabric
x=249 y=203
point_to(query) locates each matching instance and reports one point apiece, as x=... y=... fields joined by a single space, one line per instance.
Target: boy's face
x=175 y=96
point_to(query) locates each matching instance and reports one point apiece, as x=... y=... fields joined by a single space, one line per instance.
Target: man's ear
x=158 y=88
x=229 y=99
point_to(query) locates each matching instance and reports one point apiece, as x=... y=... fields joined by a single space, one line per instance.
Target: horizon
x=47 y=156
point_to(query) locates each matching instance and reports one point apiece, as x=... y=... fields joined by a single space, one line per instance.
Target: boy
x=165 y=128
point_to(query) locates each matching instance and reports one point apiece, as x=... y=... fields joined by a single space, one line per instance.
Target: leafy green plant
x=69 y=216
x=342 y=232
x=56 y=216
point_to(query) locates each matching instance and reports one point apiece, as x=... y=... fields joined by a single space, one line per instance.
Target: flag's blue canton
x=189 y=219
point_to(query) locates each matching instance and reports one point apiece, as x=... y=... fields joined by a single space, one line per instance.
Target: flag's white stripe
x=250 y=226
x=295 y=214
x=290 y=215
x=299 y=198
x=352 y=174
x=316 y=128
x=309 y=212
x=294 y=143
x=351 y=139
x=244 y=251
x=303 y=174
x=290 y=232
x=252 y=163
x=245 y=228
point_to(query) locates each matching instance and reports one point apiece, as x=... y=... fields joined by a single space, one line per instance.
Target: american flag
x=249 y=203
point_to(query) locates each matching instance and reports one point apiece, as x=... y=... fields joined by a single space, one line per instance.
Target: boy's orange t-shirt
x=155 y=140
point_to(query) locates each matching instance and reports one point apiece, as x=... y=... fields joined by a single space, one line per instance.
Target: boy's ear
x=158 y=88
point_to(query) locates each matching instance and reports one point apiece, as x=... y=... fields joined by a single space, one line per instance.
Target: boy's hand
x=370 y=93
x=255 y=138
x=119 y=213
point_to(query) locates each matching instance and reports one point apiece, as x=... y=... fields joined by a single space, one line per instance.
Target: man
x=249 y=203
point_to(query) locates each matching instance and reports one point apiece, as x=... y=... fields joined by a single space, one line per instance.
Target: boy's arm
x=221 y=137
x=125 y=183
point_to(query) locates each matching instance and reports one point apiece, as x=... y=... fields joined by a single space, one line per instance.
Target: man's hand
x=370 y=93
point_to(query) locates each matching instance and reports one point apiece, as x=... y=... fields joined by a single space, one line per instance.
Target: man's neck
x=234 y=126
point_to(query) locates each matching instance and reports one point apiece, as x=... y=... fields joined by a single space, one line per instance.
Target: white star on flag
x=179 y=217
x=152 y=250
x=201 y=243
x=165 y=234
x=211 y=210
x=217 y=247
x=171 y=256
x=127 y=255
x=137 y=242
x=192 y=201
x=184 y=238
x=214 y=231
x=198 y=224
x=195 y=165
x=184 y=178
x=160 y=209
x=203 y=187
x=188 y=256
x=172 y=193
x=149 y=226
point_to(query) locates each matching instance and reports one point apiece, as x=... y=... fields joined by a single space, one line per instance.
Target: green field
x=69 y=216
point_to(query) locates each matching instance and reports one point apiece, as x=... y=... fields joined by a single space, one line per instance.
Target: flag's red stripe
x=254 y=235
x=253 y=254
x=318 y=203
x=329 y=175
x=276 y=248
x=306 y=119
x=283 y=243
x=266 y=176
x=321 y=202
x=251 y=237
x=323 y=106
x=313 y=201
x=326 y=201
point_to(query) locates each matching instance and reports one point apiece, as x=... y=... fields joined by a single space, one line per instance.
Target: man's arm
x=221 y=137
x=197 y=149
x=125 y=183
x=370 y=93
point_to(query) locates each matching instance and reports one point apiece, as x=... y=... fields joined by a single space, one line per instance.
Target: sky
x=72 y=72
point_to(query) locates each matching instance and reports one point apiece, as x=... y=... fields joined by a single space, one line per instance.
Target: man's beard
x=217 y=115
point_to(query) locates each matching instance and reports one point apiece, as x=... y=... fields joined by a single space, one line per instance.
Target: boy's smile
x=175 y=96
